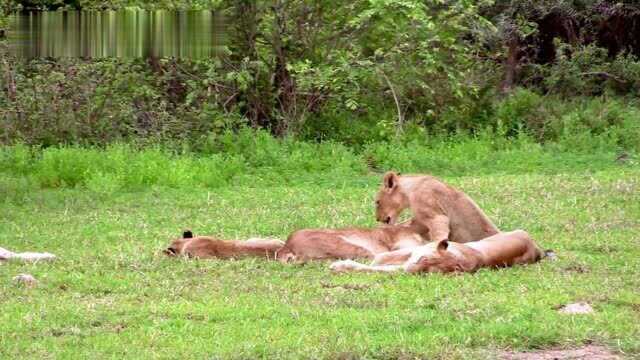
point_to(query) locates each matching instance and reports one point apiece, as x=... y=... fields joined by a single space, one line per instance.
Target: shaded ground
x=590 y=352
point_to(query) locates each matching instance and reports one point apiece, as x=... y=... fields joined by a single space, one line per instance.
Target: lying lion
x=351 y=243
x=209 y=247
x=500 y=250
x=448 y=213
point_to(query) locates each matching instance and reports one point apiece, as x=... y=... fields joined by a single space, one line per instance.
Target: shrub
x=100 y=102
x=583 y=123
x=587 y=70
x=353 y=129
x=599 y=124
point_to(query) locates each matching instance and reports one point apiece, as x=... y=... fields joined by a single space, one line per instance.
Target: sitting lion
x=209 y=247
x=500 y=250
x=351 y=243
x=448 y=213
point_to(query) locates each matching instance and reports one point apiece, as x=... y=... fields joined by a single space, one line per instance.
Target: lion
x=448 y=213
x=208 y=247
x=500 y=250
x=351 y=243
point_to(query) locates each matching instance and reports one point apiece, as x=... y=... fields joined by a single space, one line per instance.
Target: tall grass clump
x=488 y=154
x=463 y=154
x=119 y=166
x=590 y=136
x=286 y=157
x=599 y=124
x=248 y=158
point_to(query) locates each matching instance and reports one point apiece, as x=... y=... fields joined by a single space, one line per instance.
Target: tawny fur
x=208 y=247
x=351 y=243
x=500 y=250
x=448 y=213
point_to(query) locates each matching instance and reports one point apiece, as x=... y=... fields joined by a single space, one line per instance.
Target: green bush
x=599 y=124
x=105 y=101
x=583 y=123
x=102 y=102
x=349 y=128
x=17 y=159
x=586 y=70
x=523 y=110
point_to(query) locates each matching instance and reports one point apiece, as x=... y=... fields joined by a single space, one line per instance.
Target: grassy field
x=111 y=294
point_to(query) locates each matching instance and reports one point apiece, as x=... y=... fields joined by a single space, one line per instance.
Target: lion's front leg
x=353 y=266
x=346 y=266
x=438 y=227
x=396 y=257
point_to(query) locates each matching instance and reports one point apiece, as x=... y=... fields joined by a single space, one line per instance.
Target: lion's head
x=177 y=245
x=390 y=201
x=437 y=257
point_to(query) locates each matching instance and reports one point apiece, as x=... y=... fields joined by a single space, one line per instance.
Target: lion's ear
x=390 y=180
x=187 y=234
x=443 y=245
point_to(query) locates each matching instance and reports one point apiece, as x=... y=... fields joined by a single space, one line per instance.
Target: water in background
x=122 y=34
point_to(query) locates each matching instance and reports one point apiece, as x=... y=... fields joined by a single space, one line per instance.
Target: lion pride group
x=447 y=233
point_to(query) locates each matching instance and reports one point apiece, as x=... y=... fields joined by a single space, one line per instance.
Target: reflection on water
x=123 y=34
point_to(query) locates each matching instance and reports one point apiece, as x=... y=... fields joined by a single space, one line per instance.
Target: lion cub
x=448 y=213
x=351 y=243
x=209 y=247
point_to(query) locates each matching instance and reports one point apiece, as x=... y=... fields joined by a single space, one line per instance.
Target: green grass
x=111 y=294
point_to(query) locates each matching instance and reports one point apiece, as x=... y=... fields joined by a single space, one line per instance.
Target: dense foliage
x=358 y=73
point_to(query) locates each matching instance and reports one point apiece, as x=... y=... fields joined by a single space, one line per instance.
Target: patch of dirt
x=327 y=285
x=577 y=308
x=591 y=352
x=577 y=268
x=25 y=280
x=613 y=225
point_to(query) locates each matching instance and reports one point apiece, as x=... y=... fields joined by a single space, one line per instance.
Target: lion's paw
x=344 y=265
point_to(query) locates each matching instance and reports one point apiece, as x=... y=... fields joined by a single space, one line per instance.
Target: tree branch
x=399 y=128
x=604 y=74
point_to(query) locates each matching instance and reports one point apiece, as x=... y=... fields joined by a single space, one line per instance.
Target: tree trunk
x=511 y=64
x=283 y=83
x=244 y=41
